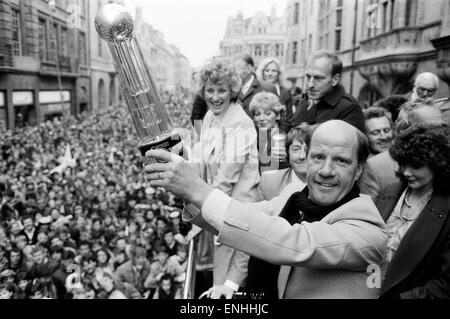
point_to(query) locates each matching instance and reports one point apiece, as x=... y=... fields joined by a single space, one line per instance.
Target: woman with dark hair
x=417 y=216
x=103 y=259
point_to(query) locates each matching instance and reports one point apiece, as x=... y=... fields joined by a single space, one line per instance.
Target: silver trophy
x=115 y=25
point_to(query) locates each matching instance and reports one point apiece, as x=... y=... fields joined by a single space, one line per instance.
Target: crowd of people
x=77 y=217
x=363 y=188
x=82 y=218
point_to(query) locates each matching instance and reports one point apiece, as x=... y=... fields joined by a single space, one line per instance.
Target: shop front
x=24 y=108
x=54 y=104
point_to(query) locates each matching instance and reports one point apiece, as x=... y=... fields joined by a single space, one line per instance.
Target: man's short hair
x=362 y=151
x=300 y=133
x=247 y=58
x=377 y=112
x=336 y=63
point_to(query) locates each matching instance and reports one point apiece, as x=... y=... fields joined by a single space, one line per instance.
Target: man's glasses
x=422 y=90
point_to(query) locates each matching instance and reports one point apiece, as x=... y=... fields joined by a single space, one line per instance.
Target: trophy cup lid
x=114 y=23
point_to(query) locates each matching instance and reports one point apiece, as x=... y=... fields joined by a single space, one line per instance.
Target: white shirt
x=247 y=85
x=294 y=178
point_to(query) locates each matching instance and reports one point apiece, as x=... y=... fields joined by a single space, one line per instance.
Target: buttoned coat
x=325 y=259
x=236 y=175
x=256 y=87
x=420 y=268
x=336 y=105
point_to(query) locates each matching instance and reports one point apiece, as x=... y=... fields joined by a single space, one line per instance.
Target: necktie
x=311 y=104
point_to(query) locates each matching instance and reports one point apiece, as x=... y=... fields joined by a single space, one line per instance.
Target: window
x=296 y=12
x=258 y=50
x=16 y=33
x=392 y=14
x=266 y=50
x=82 y=48
x=277 y=50
x=337 y=40
x=294 y=52
x=42 y=39
x=410 y=13
x=53 y=43
x=63 y=44
x=385 y=12
x=339 y=18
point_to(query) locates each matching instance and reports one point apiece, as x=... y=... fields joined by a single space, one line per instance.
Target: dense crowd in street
x=82 y=217
x=78 y=219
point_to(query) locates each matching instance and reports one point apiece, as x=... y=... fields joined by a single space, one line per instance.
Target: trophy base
x=171 y=143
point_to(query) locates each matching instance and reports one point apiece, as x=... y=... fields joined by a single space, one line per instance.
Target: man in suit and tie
x=250 y=84
x=327 y=99
x=325 y=236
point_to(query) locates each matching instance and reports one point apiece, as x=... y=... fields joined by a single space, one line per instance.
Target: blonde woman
x=228 y=158
x=269 y=70
x=267 y=111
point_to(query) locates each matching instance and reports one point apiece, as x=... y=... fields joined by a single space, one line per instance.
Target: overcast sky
x=196 y=27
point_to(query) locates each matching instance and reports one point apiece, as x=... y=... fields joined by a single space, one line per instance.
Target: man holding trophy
x=227 y=151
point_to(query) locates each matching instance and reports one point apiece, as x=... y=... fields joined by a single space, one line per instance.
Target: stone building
x=170 y=69
x=104 y=86
x=384 y=44
x=261 y=36
x=44 y=63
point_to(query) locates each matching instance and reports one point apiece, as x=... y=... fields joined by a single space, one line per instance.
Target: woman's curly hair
x=266 y=100
x=425 y=145
x=220 y=71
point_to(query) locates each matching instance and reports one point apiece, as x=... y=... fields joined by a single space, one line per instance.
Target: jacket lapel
x=389 y=199
x=417 y=241
x=250 y=90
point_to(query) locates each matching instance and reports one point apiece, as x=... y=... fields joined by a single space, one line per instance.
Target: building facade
x=44 y=66
x=384 y=44
x=170 y=69
x=104 y=86
x=261 y=36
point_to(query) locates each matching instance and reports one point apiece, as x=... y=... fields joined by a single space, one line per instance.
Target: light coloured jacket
x=325 y=259
x=232 y=144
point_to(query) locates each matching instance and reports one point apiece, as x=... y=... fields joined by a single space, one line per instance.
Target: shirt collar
x=226 y=118
x=334 y=96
